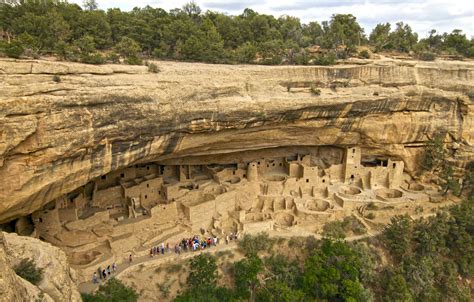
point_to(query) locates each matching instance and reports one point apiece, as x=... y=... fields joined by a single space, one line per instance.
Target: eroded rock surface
x=57 y=136
x=58 y=282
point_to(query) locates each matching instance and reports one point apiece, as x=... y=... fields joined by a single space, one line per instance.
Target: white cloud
x=421 y=15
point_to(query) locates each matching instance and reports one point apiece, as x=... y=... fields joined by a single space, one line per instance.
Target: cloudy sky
x=422 y=15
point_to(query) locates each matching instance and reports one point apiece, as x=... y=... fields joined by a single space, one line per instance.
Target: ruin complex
x=113 y=159
x=131 y=209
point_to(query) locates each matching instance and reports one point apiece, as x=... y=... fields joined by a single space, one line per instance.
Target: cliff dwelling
x=131 y=209
x=102 y=170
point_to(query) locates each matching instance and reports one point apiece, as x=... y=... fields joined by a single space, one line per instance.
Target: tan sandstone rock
x=56 y=137
x=58 y=282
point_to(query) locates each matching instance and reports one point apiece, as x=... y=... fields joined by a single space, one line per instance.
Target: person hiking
x=130 y=259
x=94 y=278
x=104 y=274
x=114 y=266
x=108 y=270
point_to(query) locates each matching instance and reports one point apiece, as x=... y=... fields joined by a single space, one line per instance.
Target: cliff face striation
x=57 y=135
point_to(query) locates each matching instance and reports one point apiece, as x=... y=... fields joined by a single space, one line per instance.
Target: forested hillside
x=90 y=35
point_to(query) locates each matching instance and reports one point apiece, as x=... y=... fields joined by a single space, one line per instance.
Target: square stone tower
x=351 y=168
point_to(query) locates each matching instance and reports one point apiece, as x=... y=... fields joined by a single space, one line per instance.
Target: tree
x=114 y=291
x=129 y=49
x=245 y=274
x=192 y=9
x=457 y=41
x=397 y=290
x=90 y=5
x=343 y=30
x=333 y=273
x=448 y=182
x=380 y=37
x=397 y=236
x=203 y=271
x=434 y=154
x=245 y=53
x=403 y=38
x=202 y=282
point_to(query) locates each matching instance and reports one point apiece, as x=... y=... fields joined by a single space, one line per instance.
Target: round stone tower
x=252 y=172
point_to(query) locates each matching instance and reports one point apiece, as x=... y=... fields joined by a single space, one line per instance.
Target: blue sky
x=421 y=15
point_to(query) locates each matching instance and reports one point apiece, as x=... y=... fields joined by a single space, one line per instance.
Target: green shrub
x=315 y=91
x=325 y=59
x=339 y=229
x=113 y=57
x=427 y=56
x=14 y=50
x=370 y=216
x=372 y=206
x=153 y=68
x=251 y=245
x=93 y=58
x=112 y=290
x=133 y=60
x=56 y=78
x=364 y=54
x=28 y=270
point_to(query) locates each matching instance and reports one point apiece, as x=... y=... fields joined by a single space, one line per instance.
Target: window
x=104 y=177
x=307 y=180
x=274 y=165
x=147 y=185
x=324 y=180
x=148 y=167
x=41 y=219
x=352 y=176
x=354 y=150
x=122 y=175
x=394 y=165
x=258 y=163
x=245 y=175
x=281 y=164
x=146 y=196
x=268 y=165
x=233 y=172
x=159 y=192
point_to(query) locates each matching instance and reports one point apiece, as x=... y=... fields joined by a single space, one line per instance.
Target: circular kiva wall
x=284 y=219
x=416 y=187
x=319 y=205
x=388 y=193
x=349 y=190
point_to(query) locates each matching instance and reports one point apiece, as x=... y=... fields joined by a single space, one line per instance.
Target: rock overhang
x=58 y=136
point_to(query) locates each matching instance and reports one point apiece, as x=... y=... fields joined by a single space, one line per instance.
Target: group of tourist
x=185 y=245
x=104 y=274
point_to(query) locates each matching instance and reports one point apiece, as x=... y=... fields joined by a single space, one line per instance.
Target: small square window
x=122 y=175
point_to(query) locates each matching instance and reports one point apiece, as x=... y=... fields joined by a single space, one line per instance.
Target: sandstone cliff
x=58 y=282
x=57 y=136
